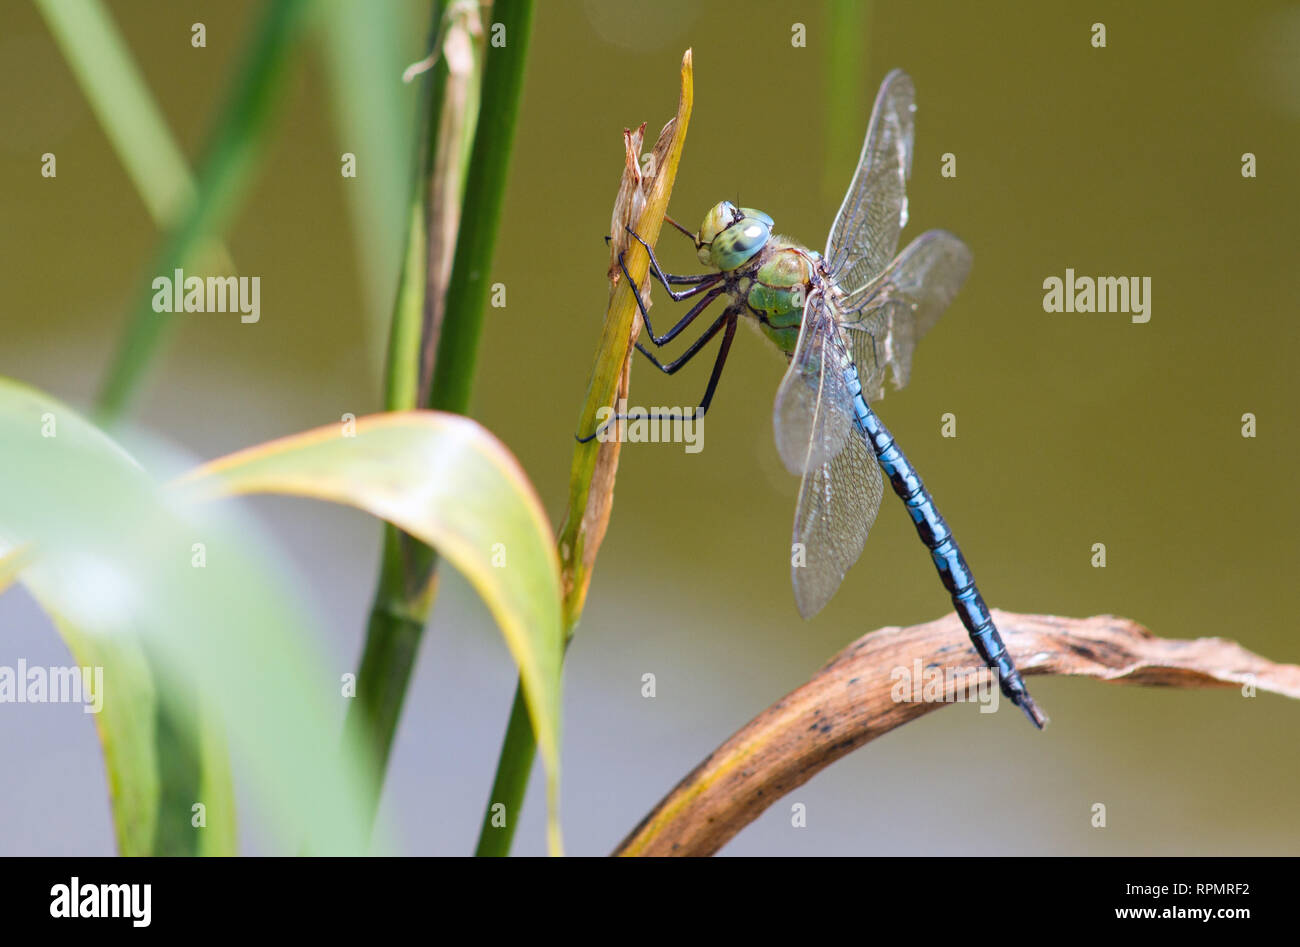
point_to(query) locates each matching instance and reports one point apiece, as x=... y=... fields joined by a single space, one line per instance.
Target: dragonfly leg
x=730 y=320
x=673 y=279
x=717 y=366
x=672 y=367
x=686 y=320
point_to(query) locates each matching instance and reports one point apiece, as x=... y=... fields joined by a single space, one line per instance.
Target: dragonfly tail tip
x=1036 y=716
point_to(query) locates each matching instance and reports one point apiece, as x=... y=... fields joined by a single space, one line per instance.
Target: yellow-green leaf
x=193 y=648
x=447 y=481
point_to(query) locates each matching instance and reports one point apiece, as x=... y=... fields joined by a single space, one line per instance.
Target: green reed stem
x=424 y=324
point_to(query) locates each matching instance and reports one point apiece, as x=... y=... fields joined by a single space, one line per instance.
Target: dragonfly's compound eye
x=731 y=235
x=736 y=245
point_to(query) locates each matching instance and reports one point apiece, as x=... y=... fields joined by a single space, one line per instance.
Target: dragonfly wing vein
x=838 y=502
x=865 y=234
x=884 y=322
x=841 y=488
x=813 y=413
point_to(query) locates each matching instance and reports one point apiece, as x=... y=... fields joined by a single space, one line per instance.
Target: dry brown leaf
x=628 y=203
x=850 y=702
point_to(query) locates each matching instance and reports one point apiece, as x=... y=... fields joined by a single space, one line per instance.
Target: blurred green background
x=1073 y=429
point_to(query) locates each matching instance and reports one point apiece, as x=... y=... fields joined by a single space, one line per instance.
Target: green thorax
x=774 y=285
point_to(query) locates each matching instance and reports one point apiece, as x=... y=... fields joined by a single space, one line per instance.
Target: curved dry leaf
x=851 y=701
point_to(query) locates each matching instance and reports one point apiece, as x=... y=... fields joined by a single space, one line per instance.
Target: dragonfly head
x=731 y=235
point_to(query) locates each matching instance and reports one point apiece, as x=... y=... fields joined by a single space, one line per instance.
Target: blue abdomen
x=934 y=532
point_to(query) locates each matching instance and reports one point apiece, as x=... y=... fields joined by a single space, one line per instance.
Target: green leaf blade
x=190 y=650
x=445 y=480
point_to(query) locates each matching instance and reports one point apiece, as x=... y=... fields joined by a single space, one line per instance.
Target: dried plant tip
x=630 y=200
x=660 y=153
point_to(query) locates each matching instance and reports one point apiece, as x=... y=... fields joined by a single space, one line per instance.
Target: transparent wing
x=883 y=322
x=865 y=234
x=840 y=493
x=838 y=501
x=813 y=414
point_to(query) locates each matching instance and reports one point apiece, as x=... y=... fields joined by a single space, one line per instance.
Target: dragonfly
x=848 y=320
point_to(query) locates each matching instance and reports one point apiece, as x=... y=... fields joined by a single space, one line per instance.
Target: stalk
x=438 y=316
